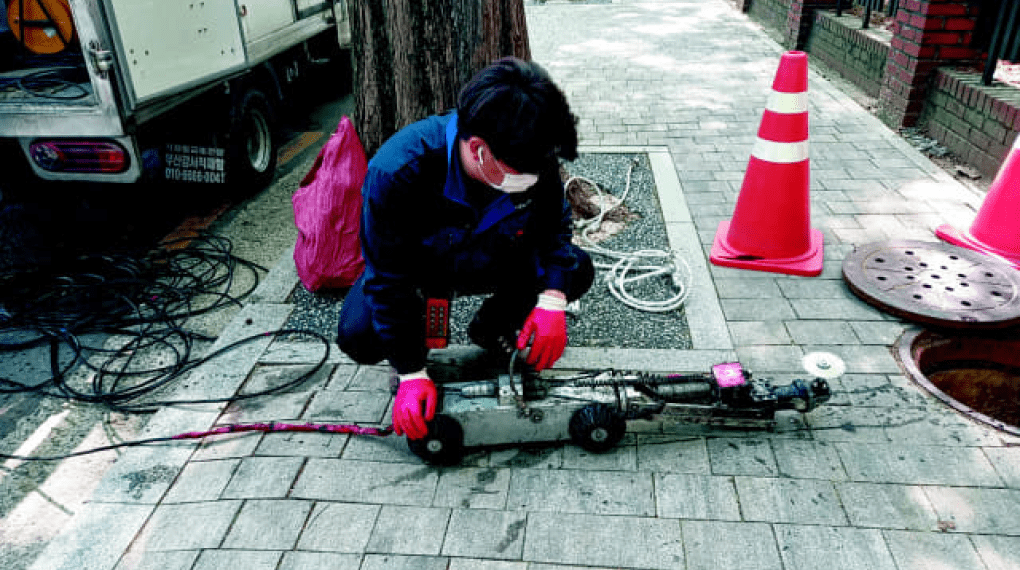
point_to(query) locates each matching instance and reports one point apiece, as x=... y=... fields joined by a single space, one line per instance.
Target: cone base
x=807 y=265
x=959 y=238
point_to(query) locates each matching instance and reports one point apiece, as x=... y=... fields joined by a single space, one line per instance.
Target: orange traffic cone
x=996 y=229
x=771 y=225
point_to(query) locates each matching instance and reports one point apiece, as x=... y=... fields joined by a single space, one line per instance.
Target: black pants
x=514 y=292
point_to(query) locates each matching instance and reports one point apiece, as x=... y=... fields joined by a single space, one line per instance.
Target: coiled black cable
x=142 y=304
x=61 y=83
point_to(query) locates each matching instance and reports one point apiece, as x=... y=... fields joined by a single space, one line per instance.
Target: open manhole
x=976 y=375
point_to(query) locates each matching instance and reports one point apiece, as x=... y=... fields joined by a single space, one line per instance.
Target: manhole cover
x=935 y=283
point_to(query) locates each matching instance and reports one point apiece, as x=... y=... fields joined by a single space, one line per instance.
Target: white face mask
x=511 y=183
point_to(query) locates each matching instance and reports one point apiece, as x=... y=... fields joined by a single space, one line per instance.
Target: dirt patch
x=985 y=387
x=587 y=203
x=958 y=168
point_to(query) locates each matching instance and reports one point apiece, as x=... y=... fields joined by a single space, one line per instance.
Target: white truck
x=186 y=91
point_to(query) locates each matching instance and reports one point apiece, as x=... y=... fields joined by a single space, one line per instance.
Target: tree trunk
x=411 y=57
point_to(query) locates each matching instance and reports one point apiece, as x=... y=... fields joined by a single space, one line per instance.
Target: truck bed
x=41 y=58
x=46 y=85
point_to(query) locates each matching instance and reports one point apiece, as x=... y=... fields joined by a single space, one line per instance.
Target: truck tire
x=597 y=427
x=253 y=143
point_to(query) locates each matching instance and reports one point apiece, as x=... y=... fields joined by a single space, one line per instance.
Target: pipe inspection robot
x=591 y=409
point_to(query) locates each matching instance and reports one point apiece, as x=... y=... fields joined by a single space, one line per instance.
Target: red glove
x=546 y=330
x=414 y=391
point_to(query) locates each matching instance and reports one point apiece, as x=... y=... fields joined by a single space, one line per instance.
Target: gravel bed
x=602 y=321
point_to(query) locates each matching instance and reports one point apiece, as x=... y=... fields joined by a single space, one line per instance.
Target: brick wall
x=932 y=33
x=977 y=123
x=912 y=69
x=791 y=19
x=858 y=55
x=772 y=14
x=800 y=20
x=741 y=5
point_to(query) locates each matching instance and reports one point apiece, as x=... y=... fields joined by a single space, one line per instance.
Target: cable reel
x=42 y=26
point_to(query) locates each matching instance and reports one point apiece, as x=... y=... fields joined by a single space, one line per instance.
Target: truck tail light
x=107 y=157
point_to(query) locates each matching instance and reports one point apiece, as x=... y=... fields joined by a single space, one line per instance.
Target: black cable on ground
x=136 y=443
x=140 y=305
x=270 y=427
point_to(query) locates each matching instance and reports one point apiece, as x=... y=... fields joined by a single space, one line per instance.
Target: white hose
x=651 y=262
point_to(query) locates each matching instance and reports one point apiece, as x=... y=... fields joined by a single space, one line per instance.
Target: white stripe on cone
x=787 y=103
x=780 y=152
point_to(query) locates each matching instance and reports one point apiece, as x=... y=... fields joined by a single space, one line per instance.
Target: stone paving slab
x=1007 y=464
x=263 y=478
x=876 y=505
x=808 y=459
x=979 y=511
x=734 y=546
x=356 y=520
x=267 y=525
x=78 y=549
x=825 y=547
x=696 y=497
x=628 y=542
x=189 y=526
x=473 y=488
x=396 y=562
x=409 y=530
x=668 y=455
x=302 y=560
x=918 y=465
x=998 y=552
x=176 y=560
x=577 y=491
x=302 y=444
x=796 y=501
x=917 y=550
x=248 y=559
x=366 y=481
x=202 y=481
x=483 y=533
x=743 y=456
x=142 y=477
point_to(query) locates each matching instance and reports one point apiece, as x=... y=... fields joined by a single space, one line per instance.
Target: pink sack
x=327 y=213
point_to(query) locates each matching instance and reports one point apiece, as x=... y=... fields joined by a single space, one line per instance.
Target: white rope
x=650 y=262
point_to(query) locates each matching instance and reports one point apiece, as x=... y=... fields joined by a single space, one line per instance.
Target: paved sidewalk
x=883 y=478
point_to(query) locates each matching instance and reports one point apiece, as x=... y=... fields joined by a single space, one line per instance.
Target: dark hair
x=515 y=107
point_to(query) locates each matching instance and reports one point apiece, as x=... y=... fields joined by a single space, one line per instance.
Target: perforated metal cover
x=935 y=283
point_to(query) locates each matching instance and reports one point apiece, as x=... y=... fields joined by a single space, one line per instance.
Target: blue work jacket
x=427 y=229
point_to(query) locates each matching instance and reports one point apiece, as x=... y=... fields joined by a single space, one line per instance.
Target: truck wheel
x=444 y=443
x=252 y=143
x=597 y=427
